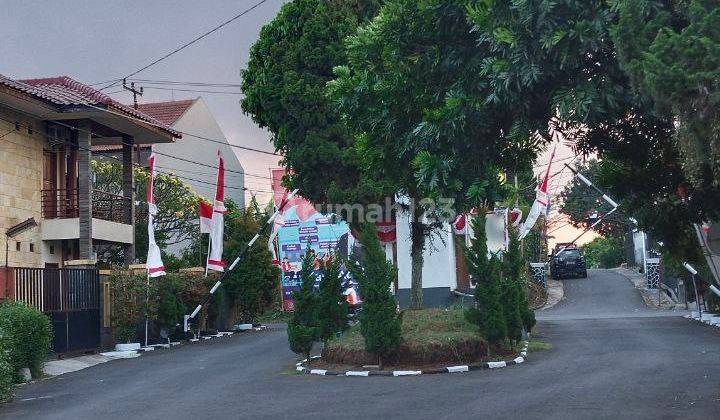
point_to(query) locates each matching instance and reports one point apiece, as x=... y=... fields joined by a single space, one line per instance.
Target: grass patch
x=274 y=317
x=431 y=337
x=430 y=326
x=535 y=345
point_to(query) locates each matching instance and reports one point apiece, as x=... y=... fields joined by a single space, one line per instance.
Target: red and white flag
x=215 y=261
x=154 y=264
x=206 y=213
x=542 y=199
x=459 y=225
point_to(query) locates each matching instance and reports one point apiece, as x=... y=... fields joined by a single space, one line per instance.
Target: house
x=48 y=128
x=193 y=158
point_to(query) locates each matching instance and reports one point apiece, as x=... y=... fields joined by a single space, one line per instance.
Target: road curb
x=300 y=367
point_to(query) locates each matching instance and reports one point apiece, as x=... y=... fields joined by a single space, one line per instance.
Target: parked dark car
x=567 y=264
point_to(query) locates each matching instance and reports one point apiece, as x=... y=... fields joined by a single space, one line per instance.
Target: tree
x=284 y=87
x=332 y=306
x=303 y=330
x=581 y=203
x=513 y=299
x=604 y=252
x=254 y=284
x=671 y=52
x=176 y=221
x=488 y=311
x=380 y=323
x=413 y=94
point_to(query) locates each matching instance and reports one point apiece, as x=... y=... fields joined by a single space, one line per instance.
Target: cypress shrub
x=303 y=329
x=380 y=323
x=488 y=311
x=512 y=288
x=332 y=306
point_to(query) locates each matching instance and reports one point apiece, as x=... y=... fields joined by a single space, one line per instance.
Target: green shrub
x=332 y=305
x=170 y=307
x=26 y=336
x=488 y=311
x=128 y=297
x=604 y=252
x=6 y=373
x=380 y=324
x=303 y=329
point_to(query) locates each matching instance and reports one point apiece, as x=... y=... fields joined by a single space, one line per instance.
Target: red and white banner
x=215 y=261
x=460 y=224
x=386 y=231
x=206 y=213
x=154 y=264
x=542 y=199
x=515 y=217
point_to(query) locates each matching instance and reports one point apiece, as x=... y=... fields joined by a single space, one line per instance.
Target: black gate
x=70 y=297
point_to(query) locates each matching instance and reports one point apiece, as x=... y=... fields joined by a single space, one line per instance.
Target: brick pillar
x=85 y=189
x=128 y=180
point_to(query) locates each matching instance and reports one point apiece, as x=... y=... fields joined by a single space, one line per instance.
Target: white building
x=192 y=158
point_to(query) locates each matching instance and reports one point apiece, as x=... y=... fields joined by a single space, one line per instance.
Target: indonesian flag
x=206 y=213
x=215 y=261
x=459 y=225
x=542 y=199
x=154 y=264
x=386 y=232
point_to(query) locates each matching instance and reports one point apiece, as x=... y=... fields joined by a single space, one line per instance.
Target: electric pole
x=134 y=91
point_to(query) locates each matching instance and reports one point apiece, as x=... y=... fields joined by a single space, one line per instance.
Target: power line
x=191 y=42
x=209 y=166
x=193 y=90
x=223 y=142
x=180 y=83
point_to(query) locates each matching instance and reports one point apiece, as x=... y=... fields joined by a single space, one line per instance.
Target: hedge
x=6 y=374
x=26 y=335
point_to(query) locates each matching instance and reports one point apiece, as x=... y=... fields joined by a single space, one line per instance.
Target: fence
x=70 y=297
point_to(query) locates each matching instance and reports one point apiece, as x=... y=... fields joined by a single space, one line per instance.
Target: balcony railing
x=63 y=204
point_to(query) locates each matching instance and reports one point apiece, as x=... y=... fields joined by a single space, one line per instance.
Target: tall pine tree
x=303 y=330
x=515 y=270
x=332 y=306
x=380 y=324
x=488 y=311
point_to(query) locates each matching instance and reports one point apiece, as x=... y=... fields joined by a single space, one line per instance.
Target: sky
x=93 y=41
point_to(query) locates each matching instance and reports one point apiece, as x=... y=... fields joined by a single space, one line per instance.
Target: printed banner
x=300 y=229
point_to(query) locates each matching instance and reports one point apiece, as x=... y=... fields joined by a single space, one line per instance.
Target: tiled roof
x=167 y=112
x=64 y=91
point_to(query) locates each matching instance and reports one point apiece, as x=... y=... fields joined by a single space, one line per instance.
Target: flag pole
x=147 y=306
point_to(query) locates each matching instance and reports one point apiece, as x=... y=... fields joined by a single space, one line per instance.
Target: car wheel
x=584 y=274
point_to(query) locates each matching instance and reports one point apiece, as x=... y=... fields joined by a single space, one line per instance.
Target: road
x=611 y=358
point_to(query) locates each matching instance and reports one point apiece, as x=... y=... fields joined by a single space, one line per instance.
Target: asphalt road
x=611 y=358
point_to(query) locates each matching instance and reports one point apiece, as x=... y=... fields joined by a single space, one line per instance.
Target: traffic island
x=435 y=341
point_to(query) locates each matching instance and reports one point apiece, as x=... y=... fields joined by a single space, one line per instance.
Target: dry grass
x=430 y=337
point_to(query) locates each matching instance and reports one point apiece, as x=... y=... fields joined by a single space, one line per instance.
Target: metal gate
x=70 y=297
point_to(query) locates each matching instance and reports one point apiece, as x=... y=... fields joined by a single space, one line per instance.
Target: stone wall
x=21 y=166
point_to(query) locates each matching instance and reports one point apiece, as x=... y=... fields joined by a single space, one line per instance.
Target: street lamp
x=14 y=231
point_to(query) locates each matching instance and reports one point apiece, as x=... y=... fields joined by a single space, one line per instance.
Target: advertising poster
x=301 y=229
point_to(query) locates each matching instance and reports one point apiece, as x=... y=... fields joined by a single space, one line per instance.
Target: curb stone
x=300 y=367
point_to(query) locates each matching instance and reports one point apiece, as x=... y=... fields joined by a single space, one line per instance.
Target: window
x=32 y=247
x=17 y=246
x=52 y=249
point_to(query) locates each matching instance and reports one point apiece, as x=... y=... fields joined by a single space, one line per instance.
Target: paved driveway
x=611 y=359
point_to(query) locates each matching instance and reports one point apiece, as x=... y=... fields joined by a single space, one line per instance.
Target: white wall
x=198 y=120
x=439 y=256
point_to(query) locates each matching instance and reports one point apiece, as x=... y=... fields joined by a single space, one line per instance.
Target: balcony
x=63 y=204
x=61 y=216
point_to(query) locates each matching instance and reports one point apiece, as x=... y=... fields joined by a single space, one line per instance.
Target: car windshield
x=569 y=254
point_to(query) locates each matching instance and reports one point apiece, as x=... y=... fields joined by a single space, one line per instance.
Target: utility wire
x=191 y=90
x=191 y=42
